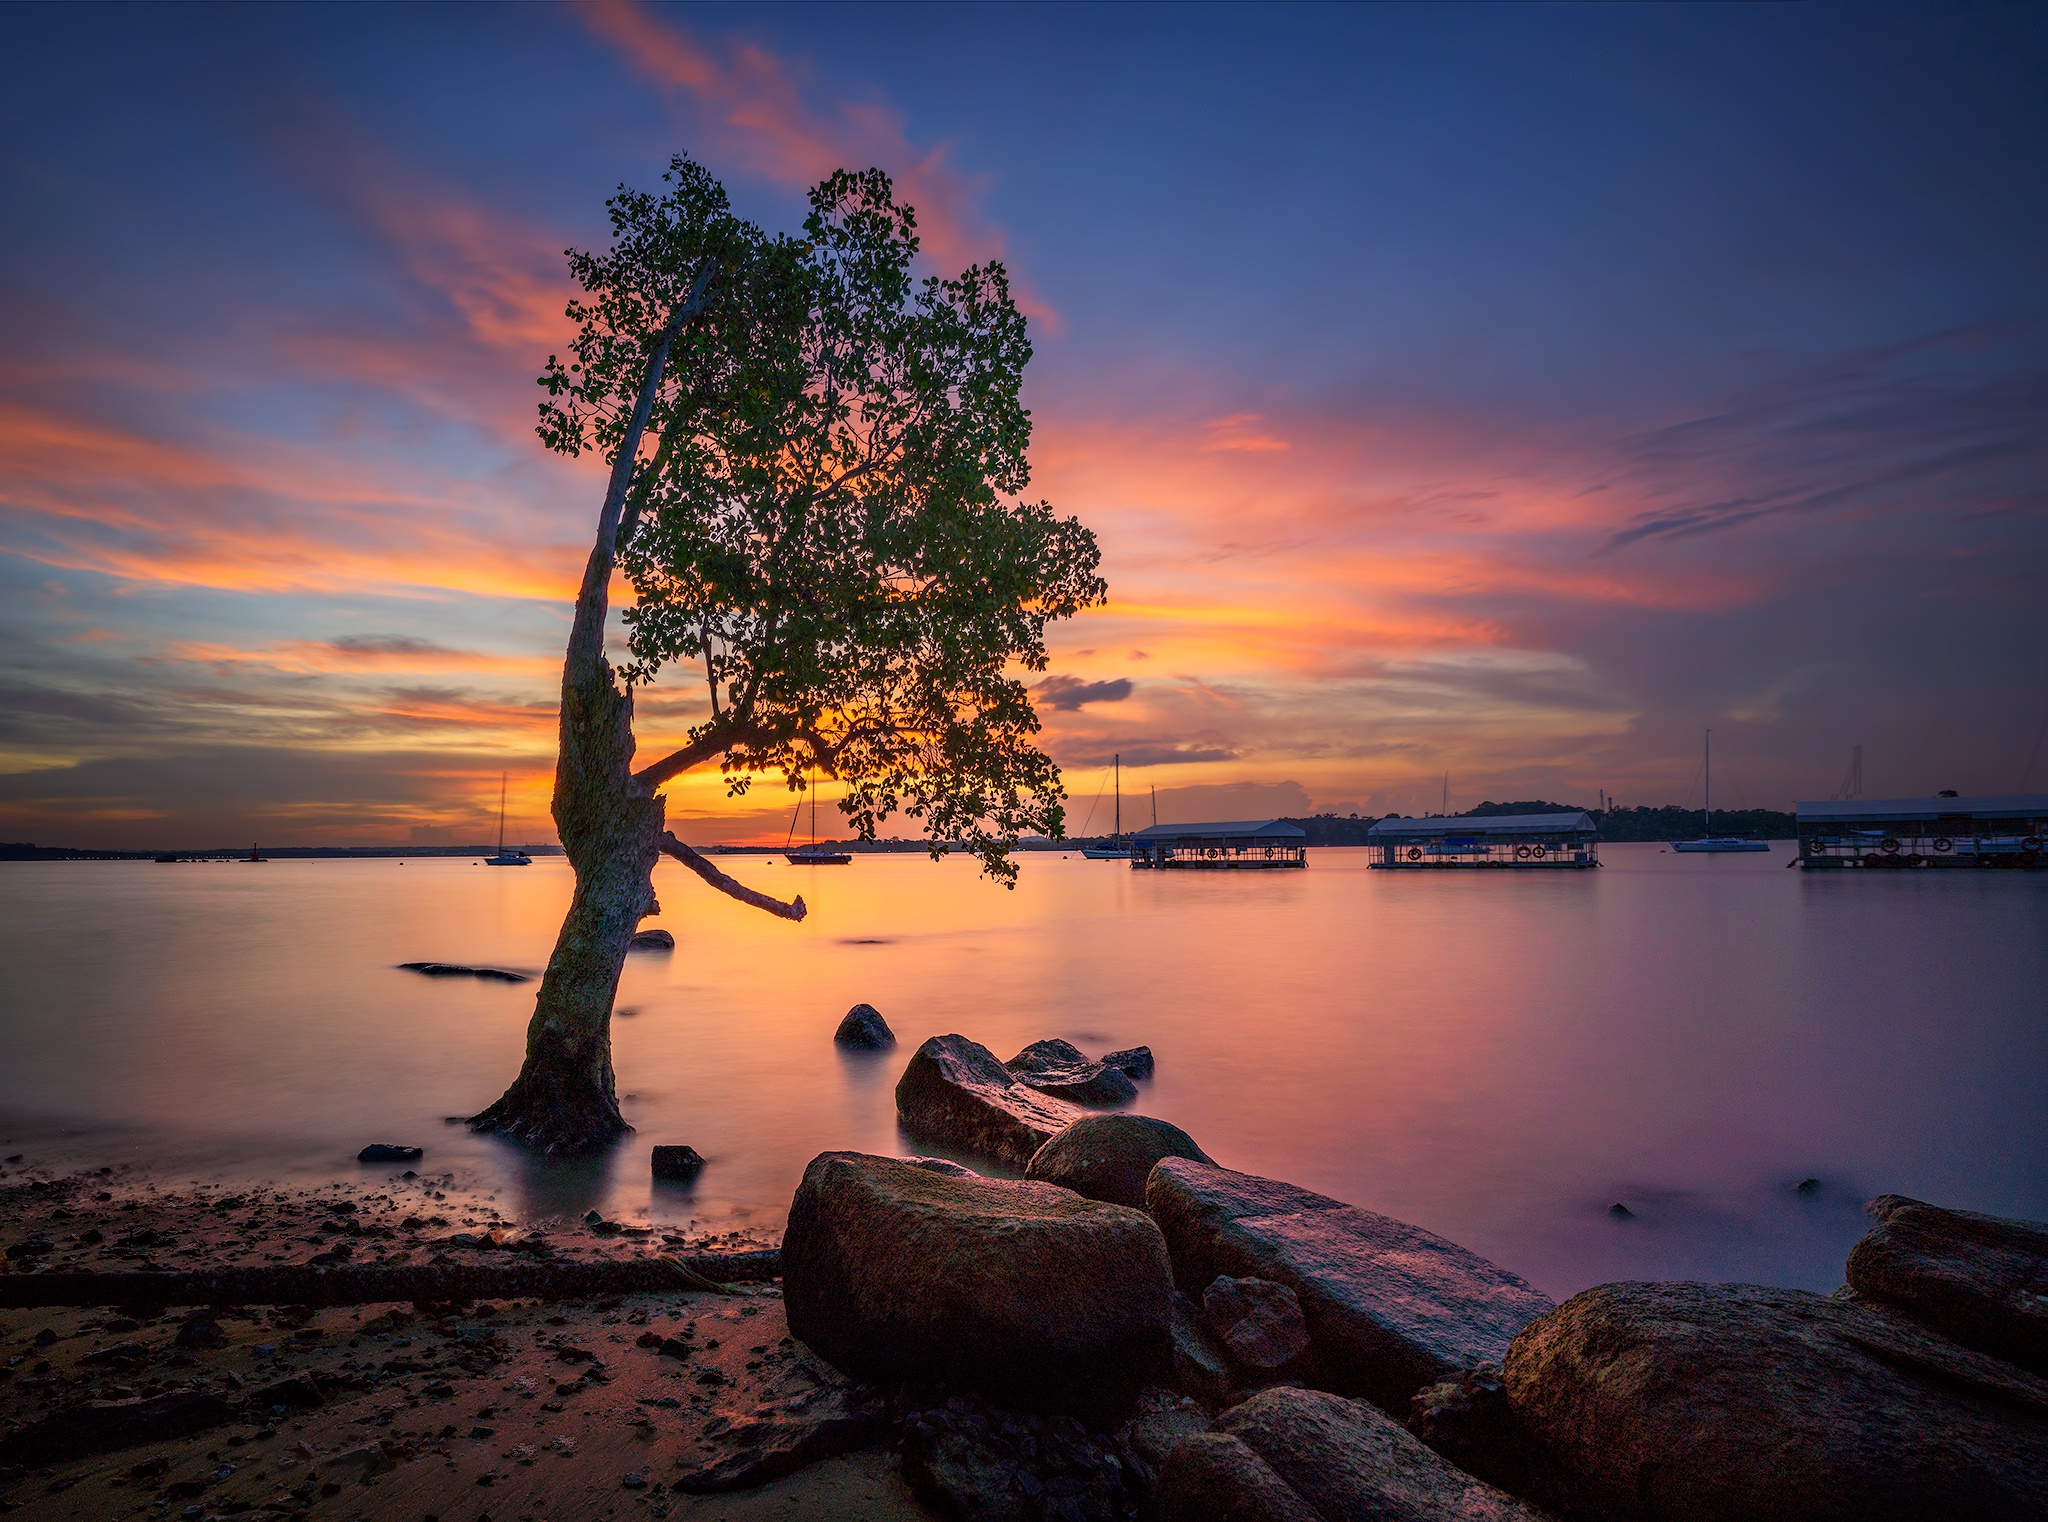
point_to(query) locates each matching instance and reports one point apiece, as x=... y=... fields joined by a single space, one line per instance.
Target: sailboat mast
x=1707 y=814
x=501 y=812
x=1118 y=762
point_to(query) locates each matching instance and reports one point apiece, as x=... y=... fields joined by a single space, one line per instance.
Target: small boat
x=505 y=858
x=1117 y=850
x=813 y=855
x=1709 y=841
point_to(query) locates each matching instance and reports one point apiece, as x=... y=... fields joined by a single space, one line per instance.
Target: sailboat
x=814 y=855
x=1117 y=851
x=1709 y=841
x=505 y=858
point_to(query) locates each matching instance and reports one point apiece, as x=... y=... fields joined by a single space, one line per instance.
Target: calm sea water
x=1497 y=1057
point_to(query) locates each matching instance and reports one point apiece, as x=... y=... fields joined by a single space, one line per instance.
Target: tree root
x=438 y=1283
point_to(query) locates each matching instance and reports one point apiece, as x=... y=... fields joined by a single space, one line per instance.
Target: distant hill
x=1667 y=823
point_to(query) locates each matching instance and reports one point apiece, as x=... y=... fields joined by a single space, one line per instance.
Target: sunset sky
x=1507 y=392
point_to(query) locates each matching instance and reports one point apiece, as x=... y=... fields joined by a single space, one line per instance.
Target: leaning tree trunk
x=564 y=1099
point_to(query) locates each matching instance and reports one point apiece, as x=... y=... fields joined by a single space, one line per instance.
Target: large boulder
x=1109 y=1157
x=1981 y=1280
x=1061 y=1069
x=1132 y=1061
x=1390 y=1308
x=865 y=1029
x=954 y=1090
x=1023 y=1290
x=1706 y=1402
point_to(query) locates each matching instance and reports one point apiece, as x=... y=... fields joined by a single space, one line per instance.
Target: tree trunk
x=564 y=1100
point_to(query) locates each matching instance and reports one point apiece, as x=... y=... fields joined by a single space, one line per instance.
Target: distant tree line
x=1667 y=823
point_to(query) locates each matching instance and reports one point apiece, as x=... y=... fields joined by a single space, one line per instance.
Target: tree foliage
x=826 y=518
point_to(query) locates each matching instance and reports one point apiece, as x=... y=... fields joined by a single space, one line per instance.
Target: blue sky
x=1507 y=391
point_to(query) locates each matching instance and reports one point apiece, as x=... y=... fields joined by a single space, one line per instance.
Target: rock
x=458 y=970
x=1981 y=1280
x=1468 y=1421
x=200 y=1330
x=1133 y=1062
x=1160 y=1422
x=784 y=1437
x=102 y=1426
x=955 y=1091
x=1733 y=1401
x=1390 y=1308
x=1214 y=1477
x=387 y=1152
x=1260 y=1322
x=651 y=940
x=1200 y=1366
x=893 y=1272
x=1058 y=1068
x=1345 y=1459
x=1109 y=1157
x=363 y=1460
x=970 y=1459
x=943 y=1165
x=301 y=1392
x=677 y=1164
x=864 y=1028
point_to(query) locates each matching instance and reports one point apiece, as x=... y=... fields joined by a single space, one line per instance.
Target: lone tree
x=815 y=468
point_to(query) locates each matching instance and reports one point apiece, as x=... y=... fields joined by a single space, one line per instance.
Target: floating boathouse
x=2009 y=831
x=1235 y=845
x=1499 y=840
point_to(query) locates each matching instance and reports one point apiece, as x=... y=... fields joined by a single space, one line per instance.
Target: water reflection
x=1501 y=1059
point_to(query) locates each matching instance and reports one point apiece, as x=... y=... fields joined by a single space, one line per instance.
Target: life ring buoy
x=1522 y=853
x=1415 y=853
x=1943 y=844
x=1813 y=847
x=1539 y=852
x=1872 y=859
x=1915 y=859
x=1889 y=846
x=2031 y=843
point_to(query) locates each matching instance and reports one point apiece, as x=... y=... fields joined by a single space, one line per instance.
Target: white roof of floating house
x=1989 y=806
x=1481 y=826
x=1229 y=829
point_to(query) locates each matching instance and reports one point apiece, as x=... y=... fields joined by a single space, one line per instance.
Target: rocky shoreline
x=1132 y=1330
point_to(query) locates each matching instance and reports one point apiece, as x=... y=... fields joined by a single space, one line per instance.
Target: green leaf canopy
x=826 y=517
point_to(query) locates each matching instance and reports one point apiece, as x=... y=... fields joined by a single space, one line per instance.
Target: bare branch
x=716 y=742
x=726 y=885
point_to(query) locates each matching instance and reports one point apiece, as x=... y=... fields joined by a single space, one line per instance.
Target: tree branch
x=715 y=742
x=726 y=885
x=586 y=634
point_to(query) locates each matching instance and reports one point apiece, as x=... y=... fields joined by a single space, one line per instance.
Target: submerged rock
x=1133 y=1062
x=1059 y=1068
x=1025 y=1291
x=1260 y=1322
x=865 y=1028
x=1981 y=1280
x=1390 y=1308
x=458 y=970
x=1109 y=1157
x=388 y=1152
x=677 y=1164
x=651 y=940
x=955 y=1091
x=1706 y=1402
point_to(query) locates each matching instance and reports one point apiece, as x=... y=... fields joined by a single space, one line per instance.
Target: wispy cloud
x=772 y=117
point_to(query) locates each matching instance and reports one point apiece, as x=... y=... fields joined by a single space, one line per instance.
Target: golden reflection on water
x=1498 y=1057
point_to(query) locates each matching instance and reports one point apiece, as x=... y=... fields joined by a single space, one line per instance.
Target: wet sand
x=503 y=1410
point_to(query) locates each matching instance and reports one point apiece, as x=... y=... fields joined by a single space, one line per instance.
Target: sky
x=1473 y=402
